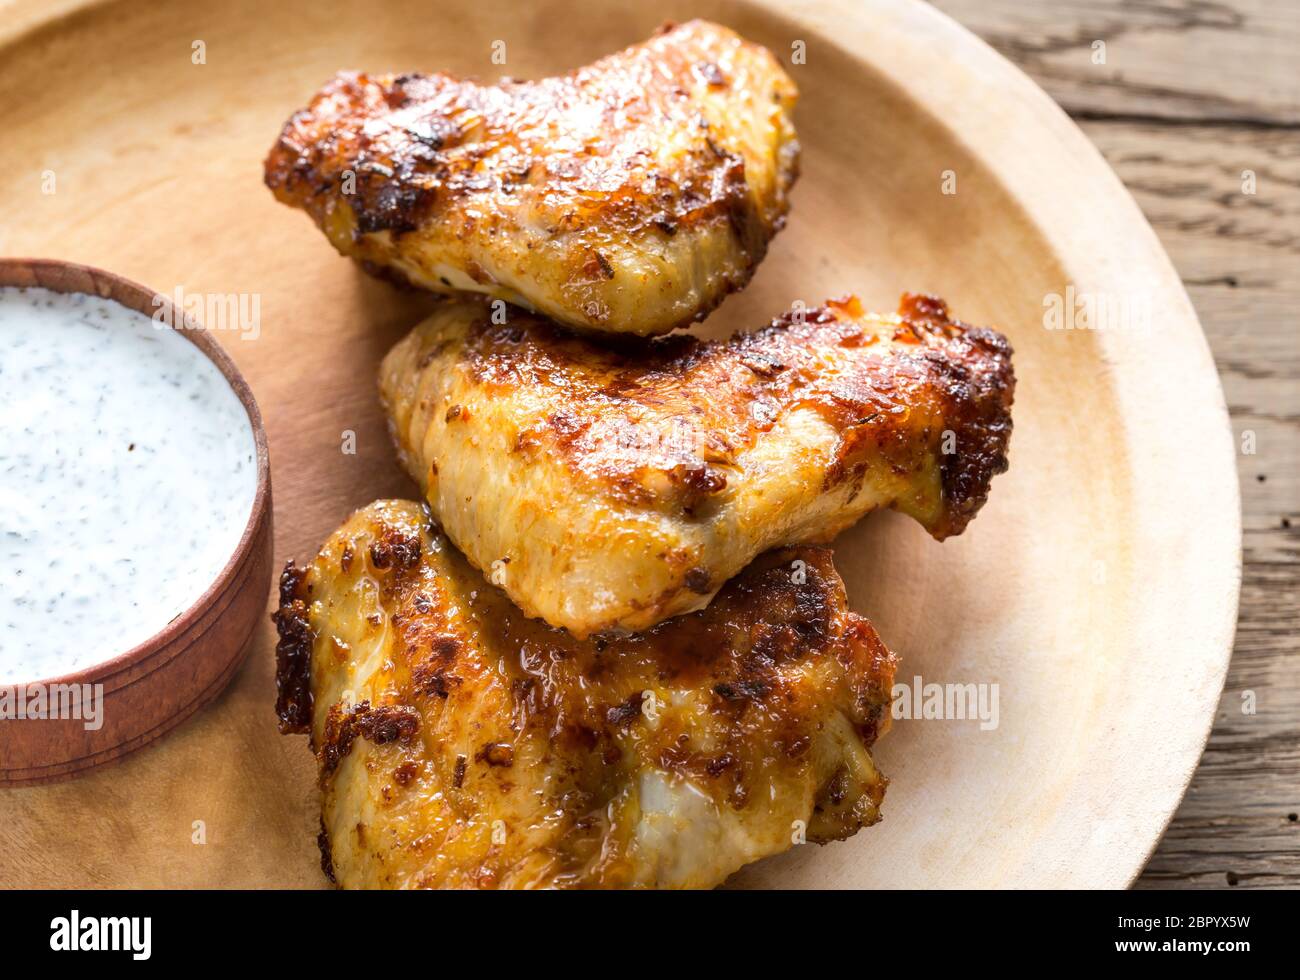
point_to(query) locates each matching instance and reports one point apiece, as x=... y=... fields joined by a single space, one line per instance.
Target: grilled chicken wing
x=629 y=196
x=616 y=488
x=463 y=745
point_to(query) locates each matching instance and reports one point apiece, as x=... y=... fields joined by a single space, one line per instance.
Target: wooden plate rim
x=1100 y=236
x=894 y=38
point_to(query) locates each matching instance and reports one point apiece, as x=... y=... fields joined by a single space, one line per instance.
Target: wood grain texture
x=1191 y=96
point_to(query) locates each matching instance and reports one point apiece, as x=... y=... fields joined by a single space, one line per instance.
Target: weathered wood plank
x=1230 y=62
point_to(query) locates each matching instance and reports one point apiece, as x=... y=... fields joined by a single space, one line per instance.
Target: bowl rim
x=55 y=275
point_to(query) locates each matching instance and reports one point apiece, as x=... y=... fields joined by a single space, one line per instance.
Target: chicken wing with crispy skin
x=461 y=744
x=628 y=196
x=608 y=488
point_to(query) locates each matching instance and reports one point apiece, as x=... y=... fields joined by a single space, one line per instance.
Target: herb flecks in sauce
x=127 y=475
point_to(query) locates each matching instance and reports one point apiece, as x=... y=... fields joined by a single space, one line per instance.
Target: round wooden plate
x=1097 y=589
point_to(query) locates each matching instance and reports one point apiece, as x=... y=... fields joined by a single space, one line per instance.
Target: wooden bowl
x=153 y=687
x=1097 y=587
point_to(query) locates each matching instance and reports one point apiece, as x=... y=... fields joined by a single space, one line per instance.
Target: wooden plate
x=1097 y=589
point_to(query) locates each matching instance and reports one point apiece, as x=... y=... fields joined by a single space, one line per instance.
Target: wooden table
x=1189 y=98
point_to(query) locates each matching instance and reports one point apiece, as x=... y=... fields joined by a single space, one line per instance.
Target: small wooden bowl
x=152 y=688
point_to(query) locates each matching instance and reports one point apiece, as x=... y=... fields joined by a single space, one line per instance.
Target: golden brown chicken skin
x=613 y=488
x=629 y=196
x=463 y=745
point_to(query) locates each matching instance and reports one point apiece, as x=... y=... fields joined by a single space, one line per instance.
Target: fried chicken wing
x=462 y=745
x=629 y=196
x=613 y=488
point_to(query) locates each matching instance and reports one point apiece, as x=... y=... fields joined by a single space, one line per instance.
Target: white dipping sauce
x=127 y=475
